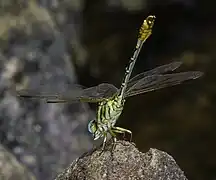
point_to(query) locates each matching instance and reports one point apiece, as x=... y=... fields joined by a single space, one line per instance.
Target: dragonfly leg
x=112 y=133
x=119 y=132
x=104 y=142
x=123 y=131
x=114 y=143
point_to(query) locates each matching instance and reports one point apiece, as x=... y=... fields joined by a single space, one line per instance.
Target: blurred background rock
x=52 y=44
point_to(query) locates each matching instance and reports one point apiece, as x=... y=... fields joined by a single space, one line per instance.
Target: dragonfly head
x=93 y=129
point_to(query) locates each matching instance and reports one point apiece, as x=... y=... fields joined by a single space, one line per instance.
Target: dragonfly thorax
x=107 y=114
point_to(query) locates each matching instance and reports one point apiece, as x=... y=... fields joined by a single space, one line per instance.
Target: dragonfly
x=111 y=99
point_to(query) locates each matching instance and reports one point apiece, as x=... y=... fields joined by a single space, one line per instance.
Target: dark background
x=179 y=120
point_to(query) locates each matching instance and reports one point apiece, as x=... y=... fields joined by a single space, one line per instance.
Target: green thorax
x=109 y=110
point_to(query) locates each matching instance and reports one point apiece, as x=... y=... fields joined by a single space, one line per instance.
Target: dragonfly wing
x=154 y=82
x=158 y=70
x=92 y=94
x=50 y=96
x=27 y=93
x=98 y=93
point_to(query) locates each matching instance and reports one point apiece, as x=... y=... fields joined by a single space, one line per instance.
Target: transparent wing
x=158 y=70
x=92 y=94
x=154 y=82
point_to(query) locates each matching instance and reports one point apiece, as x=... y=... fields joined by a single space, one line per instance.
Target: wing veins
x=158 y=70
x=91 y=95
x=155 y=82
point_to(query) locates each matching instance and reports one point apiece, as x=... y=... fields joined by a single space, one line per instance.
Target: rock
x=11 y=169
x=35 y=55
x=124 y=162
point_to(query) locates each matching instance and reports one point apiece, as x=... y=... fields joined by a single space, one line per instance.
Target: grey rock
x=124 y=162
x=11 y=169
x=44 y=137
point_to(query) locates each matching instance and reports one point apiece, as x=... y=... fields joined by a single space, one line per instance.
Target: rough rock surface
x=123 y=163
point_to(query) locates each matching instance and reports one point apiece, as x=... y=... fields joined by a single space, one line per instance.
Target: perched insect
x=111 y=99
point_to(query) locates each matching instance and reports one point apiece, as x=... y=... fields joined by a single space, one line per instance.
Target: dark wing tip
x=23 y=93
x=55 y=101
x=176 y=64
x=197 y=74
x=172 y=66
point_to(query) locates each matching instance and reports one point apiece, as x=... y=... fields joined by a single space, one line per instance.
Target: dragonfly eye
x=92 y=126
x=150 y=20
